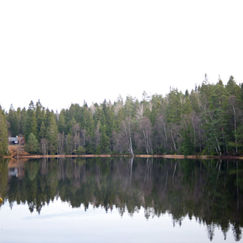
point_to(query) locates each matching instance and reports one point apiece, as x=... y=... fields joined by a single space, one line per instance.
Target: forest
x=206 y=120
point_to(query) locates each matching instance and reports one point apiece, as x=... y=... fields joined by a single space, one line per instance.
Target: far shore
x=166 y=156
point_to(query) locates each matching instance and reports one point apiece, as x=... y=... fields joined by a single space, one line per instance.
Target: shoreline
x=165 y=156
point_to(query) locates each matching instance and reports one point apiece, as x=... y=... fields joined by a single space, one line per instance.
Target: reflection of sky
x=59 y=222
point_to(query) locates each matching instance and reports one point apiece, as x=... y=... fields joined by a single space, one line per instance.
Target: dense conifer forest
x=206 y=120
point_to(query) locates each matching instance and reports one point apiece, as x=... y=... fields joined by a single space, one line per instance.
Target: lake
x=121 y=200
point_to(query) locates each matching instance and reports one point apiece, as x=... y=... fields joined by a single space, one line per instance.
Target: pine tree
x=52 y=133
x=42 y=132
x=32 y=145
x=61 y=122
x=13 y=122
x=3 y=134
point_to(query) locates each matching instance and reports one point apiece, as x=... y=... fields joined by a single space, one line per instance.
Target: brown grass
x=167 y=156
x=17 y=152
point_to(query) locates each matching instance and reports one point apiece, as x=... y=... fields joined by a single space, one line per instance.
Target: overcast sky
x=64 y=52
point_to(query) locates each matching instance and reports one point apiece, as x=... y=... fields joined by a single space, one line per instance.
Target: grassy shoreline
x=166 y=156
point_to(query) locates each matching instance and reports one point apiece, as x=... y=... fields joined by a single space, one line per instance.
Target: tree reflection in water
x=211 y=191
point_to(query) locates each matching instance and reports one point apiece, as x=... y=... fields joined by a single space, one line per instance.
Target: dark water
x=121 y=200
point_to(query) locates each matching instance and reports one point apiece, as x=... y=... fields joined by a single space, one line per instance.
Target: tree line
x=207 y=120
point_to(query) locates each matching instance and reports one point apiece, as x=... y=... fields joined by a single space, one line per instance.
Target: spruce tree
x=52 y=133
x=32 y=145
x=3 y=134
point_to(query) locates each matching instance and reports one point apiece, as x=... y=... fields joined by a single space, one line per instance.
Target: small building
x=13 y=140
x=16 y=140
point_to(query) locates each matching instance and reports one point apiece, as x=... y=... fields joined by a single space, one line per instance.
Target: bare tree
x=60 y=143
x=143 y=135
x=126 y=127
x=44 y=146
x=232 y=101
x=76 y=135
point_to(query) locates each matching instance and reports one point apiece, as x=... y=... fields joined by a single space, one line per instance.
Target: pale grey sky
x=64 y=52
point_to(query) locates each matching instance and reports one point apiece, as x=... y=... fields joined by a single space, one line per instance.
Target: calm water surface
x=121 y=200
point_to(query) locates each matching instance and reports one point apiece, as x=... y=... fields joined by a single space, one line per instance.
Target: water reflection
x=211 y=191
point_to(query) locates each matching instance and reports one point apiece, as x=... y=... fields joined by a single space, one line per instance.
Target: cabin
x=13 y=140
x=16 y=140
